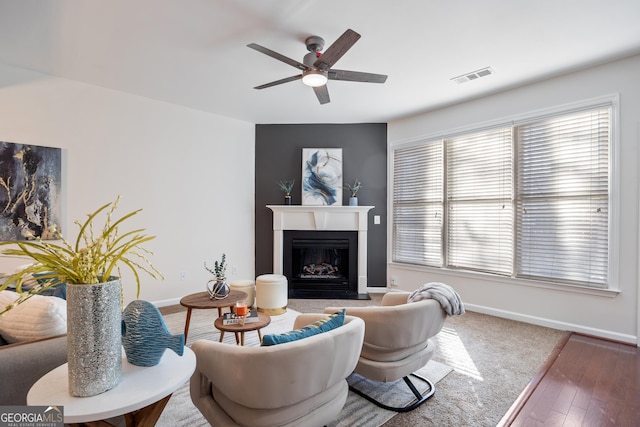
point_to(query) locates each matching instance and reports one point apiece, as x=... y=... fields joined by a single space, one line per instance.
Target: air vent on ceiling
x=474 y=75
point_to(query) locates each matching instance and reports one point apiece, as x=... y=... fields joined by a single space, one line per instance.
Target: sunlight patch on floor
x=455 y=354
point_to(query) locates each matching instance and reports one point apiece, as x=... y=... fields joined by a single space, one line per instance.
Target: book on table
x=232 y=319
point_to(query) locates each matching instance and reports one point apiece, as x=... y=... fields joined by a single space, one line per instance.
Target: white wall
x=191 y=172
x=610 y=316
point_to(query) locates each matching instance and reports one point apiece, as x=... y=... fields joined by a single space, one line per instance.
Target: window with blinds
x=479 y=232
x=417 y=204
x=563 y=198
x=529 y=200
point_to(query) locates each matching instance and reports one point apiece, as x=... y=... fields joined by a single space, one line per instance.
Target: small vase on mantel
x=287 y=186
x=354 y=188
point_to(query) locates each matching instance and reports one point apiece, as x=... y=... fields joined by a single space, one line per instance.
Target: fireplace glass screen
x=320 y=259
x=320 y=263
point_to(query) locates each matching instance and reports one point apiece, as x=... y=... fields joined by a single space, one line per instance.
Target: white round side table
x=141 y=391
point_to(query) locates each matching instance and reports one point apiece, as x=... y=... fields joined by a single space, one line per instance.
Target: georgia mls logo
x=31 y=416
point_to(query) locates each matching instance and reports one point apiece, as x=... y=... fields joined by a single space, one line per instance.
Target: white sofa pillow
x=38 y=317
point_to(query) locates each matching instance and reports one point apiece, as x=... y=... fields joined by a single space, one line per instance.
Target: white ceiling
x=193 y=52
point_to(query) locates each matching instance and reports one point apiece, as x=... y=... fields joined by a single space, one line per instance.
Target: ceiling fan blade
x=279 y=57
x=279 y=82
x=336 y=50
x=356 y=76
x=322 y=93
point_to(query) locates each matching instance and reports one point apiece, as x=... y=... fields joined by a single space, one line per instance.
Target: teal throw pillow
x=323 y=325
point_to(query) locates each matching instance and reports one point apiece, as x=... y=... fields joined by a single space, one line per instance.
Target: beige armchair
x=292 y=384
x=397 y=342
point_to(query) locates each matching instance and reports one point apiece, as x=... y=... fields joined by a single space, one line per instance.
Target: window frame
x=612 y=286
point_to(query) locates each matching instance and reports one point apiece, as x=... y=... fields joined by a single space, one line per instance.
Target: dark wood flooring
x=586 y=382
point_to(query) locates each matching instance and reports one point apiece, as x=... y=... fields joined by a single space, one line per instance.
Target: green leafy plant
x=94 y=258
x=219 y=268
x=354 y=188
x=287 y=186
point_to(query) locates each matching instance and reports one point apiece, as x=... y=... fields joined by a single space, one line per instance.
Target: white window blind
x=562 y=206
x=529 y=200
x=480 y=201
x=418 y=204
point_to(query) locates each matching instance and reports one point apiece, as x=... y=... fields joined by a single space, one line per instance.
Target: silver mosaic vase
x=94 y=339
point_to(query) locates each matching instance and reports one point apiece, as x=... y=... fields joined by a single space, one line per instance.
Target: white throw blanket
x=444 y=294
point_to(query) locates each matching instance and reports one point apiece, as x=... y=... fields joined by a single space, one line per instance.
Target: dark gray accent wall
x=364 y=156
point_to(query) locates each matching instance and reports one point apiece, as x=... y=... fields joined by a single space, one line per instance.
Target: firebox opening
x=321 y=264
x=320 y=260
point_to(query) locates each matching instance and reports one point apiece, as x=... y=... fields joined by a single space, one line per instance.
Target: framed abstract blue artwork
x=322 y=176
x=30 y=191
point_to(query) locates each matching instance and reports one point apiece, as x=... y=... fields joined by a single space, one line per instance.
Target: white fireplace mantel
x=322 y=218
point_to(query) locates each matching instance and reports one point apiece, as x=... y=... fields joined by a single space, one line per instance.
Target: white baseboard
x=167 y=302
x=554 y=324
x=176 y=301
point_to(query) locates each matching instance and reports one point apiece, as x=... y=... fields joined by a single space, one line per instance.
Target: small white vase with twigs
x=354 y=188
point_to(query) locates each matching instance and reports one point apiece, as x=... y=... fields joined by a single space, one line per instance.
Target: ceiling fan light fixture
x=317 y=66
x=314 y=78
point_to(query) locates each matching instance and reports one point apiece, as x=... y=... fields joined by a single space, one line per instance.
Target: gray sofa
x=22 y=364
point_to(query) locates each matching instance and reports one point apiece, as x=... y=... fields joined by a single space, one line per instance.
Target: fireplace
x=343 y=226
x=321 y=264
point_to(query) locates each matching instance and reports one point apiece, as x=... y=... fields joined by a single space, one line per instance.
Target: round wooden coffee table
x=263 y=320
x=202 y=300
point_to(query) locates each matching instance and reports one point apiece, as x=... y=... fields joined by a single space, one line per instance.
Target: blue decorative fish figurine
x=145 y=336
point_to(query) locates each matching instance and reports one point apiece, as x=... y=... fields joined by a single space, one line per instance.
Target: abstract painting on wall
x=30 y=186
x=322 y=176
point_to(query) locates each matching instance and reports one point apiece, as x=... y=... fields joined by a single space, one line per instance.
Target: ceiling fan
x=316 y=66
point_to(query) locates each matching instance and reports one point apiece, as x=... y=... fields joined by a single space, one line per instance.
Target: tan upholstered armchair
x=300 y=383
x=397 y=341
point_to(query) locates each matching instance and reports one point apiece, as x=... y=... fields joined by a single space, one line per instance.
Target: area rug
x=357 y=411
x=360 y=412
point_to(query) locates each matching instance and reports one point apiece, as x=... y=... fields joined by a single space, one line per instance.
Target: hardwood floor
x=586 y=382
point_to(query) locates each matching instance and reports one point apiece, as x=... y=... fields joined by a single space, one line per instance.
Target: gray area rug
x=493 y=360
x=357 y=412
